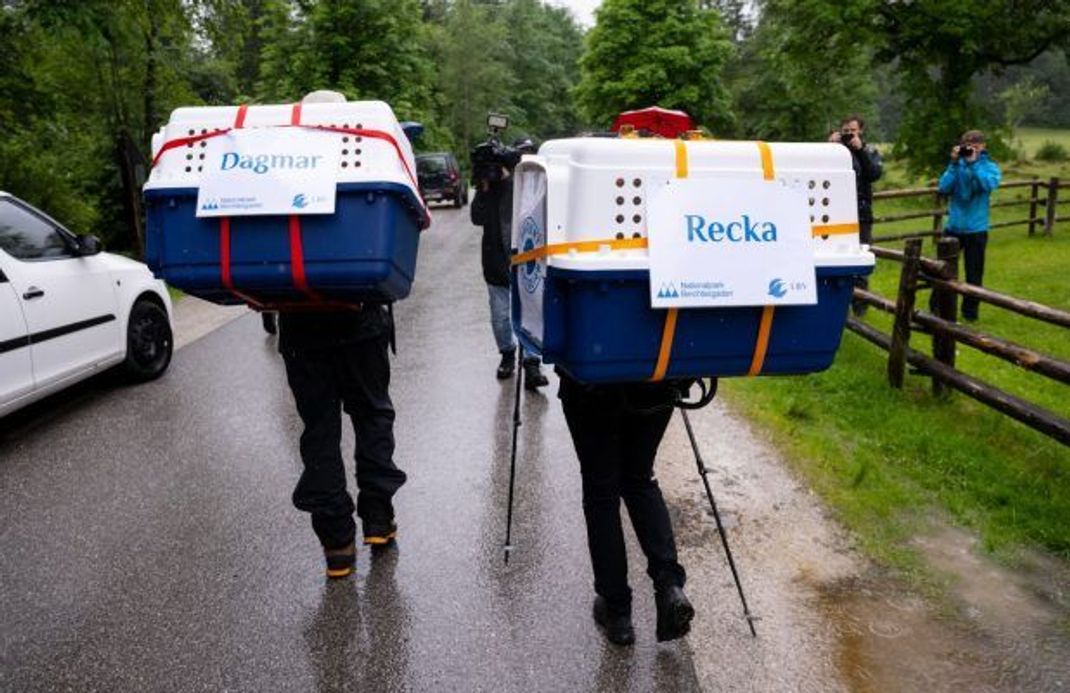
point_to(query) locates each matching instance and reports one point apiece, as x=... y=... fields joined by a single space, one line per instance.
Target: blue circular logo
x=531 y=237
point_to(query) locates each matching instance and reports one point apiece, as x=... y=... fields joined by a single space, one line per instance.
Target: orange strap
x=765 y=327
x=665 y=350
x=579 y=247
x=834 y=229
x=668 y=332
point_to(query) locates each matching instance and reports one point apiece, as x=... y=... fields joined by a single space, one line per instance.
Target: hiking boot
x=340 y=561
x=674 y=613
x=380 y=533
x=616 y=625
x=507 y=366
x=533 y=377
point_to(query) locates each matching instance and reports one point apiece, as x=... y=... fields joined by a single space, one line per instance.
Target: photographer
x=969 y=180
x=492 y=208
x=866 y=162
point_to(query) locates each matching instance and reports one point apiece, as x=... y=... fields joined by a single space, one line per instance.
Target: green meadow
x=889 y=461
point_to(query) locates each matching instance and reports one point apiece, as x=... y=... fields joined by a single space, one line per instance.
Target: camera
x=490 y=157
x=846 y=136
x=965 y=150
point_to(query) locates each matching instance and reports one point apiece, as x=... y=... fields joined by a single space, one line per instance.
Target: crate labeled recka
x=582 y=232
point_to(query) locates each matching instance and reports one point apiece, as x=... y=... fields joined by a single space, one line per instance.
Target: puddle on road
x=1010 y=632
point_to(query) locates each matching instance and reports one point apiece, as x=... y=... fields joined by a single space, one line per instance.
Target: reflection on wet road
x=148 y=540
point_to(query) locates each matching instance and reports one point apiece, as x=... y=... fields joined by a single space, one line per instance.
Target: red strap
x=224 y=264
x=183 y=141
x=386 y=137
x=295 y=114
x=239 y=119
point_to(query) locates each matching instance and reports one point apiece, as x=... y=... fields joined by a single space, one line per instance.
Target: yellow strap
x=834 y=229
x=633 y=243
x=681 y=158
x=667 y=334
x=765 y=328
x=767 y=159
x=579 y=247
x=669 y=331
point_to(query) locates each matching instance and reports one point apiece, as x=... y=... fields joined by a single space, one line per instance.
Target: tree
x=545 y=45
x=667 y=53
x=113 y=72
x=794 y=88
x=1020 y=100
x=474 y=75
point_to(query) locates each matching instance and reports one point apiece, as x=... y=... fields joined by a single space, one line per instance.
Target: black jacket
x=497 y=231
x=299 y=331
x=867 y=165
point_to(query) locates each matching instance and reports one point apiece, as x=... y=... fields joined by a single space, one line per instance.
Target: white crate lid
x=598 y=188
x=382 y=154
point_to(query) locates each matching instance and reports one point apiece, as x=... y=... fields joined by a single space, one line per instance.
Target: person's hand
x=834 y=136
x=855 y=142
x=973 y=156
x=955 y=153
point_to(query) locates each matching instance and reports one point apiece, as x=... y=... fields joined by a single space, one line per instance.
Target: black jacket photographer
x=492 y=209
x=866 y=162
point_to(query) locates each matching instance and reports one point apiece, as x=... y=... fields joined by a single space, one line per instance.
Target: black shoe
x=533 y=377
x=507 y=366
x=380 y=533
x=674 y=613
x=340 y=561
x=617 y=626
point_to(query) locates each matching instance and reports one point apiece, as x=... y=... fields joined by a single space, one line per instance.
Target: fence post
x=946 y=306
x=1053 y=196
x=904 y=309
x=1034 y=190
x=938 y=216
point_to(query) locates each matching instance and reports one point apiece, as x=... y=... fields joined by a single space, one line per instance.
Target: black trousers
x=973 y=253
x=325 y=381
x=616 y=446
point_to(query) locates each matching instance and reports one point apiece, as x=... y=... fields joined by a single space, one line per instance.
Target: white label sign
x=249 y=172
x=730 y=242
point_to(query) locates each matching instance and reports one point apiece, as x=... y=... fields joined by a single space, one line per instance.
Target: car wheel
x=458 y=201
x=149 y=342
x=270 y=321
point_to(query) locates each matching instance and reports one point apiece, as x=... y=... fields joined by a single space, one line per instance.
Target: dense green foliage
x=84 y=85
x=667 y=53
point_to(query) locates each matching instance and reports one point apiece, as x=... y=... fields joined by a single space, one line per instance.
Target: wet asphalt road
x=148 y=541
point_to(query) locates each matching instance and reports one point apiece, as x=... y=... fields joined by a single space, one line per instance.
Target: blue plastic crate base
x=365 y=251
x=599 y=328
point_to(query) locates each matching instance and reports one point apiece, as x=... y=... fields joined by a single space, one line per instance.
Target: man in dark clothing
x=616 y=430
x=493 y=207
x=337 y=361
x=866 y=161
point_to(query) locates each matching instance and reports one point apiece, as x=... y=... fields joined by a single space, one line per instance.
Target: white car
x=68 y=310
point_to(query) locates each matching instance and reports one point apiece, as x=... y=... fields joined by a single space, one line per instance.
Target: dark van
x=440 y=178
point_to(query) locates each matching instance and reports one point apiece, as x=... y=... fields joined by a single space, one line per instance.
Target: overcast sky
x=583 y=10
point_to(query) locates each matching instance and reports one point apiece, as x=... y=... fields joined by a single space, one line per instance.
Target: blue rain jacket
x=969 y=187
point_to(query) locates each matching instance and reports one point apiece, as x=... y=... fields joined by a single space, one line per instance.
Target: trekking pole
x=512 y=460
x=703 y=471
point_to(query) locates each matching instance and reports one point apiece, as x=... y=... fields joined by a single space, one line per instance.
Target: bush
x=1052 y=151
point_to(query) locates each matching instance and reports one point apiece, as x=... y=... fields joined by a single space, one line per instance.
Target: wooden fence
x=1043 y=211
x=941 y=276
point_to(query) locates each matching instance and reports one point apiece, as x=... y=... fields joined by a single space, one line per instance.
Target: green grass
x=887 y=460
